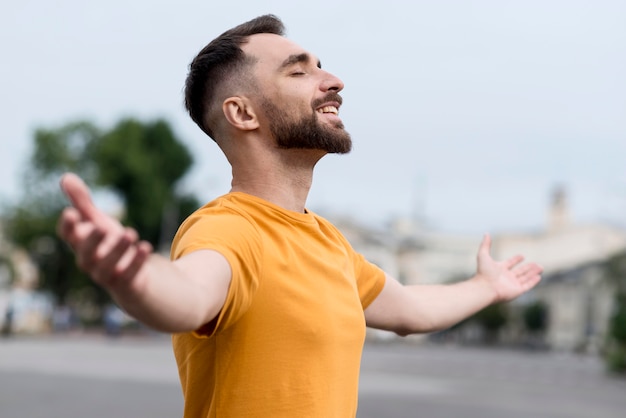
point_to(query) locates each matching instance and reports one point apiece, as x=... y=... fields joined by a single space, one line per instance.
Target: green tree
x=615 y=353
x=535 y=316
x=141 y=162
x=492 y=319
x=31 y=223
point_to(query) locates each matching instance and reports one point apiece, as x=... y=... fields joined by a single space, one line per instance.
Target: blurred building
x=412 y=254
x=23 y=309
x=578 y=297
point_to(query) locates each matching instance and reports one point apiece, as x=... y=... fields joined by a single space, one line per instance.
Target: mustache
x=330 y=97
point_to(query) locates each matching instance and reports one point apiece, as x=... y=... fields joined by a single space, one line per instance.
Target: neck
x=283 y=181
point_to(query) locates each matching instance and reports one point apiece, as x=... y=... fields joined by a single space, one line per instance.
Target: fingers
x=528 y=270
x=67 y=222
x=79 y=195
x=87 y=251
x=73 y=229
x=528 y=275
x=112 y=259
x=104 y=249
x=513 y=261
x=121 y=255
x=142 y=251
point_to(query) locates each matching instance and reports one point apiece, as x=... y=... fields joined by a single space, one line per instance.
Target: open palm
x=509 y=278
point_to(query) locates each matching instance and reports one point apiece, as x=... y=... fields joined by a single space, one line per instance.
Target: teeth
x=329 y=109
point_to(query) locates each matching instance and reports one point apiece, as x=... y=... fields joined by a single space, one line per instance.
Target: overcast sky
x=464 y=113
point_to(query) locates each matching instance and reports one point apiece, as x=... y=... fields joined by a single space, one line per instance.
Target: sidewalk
x=72 y=376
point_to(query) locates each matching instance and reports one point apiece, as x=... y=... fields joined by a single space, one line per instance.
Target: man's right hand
x=110 y=253
x=168 y=296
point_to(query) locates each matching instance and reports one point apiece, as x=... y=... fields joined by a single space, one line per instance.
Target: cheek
x=300 y=94
x=297 y=107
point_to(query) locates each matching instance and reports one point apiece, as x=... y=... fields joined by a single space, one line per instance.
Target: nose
x=331 y=82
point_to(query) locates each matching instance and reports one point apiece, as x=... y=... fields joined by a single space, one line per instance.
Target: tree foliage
x=141 y=162
x=615 y=271
x=493 y=317
x=535 y=316
x=617 y=325
x=31 y=223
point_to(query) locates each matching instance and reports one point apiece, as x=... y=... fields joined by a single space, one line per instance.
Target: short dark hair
x=221 y=59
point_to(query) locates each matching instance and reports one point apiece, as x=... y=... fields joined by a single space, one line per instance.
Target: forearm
x=427 y=308
x=437 y=307
x=166 y=298
x=420 y=309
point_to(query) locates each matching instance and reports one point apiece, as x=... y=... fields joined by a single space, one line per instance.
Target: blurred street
x=98 y=377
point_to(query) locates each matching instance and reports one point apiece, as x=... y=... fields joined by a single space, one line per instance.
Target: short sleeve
x=237 y=239
x=370 y=280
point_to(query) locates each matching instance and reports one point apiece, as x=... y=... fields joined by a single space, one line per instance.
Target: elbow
x=402 y=332
x=412 y=326
x=405 y=328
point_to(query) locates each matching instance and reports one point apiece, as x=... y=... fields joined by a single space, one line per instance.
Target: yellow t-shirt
x=288 y=341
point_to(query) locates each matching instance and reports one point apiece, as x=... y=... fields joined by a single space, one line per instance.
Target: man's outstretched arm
x=168 y=296
x=427 y=308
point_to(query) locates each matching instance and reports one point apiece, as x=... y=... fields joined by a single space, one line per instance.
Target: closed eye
x=297 y=61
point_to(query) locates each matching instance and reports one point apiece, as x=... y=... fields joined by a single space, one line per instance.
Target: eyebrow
x=298 y=58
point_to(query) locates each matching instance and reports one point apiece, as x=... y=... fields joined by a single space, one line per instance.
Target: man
x=267 y=301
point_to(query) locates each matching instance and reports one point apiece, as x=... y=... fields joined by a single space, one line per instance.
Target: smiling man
x=267 y=301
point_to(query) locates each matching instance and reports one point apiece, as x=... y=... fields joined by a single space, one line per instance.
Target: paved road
x=96 y=377
x=440 y=382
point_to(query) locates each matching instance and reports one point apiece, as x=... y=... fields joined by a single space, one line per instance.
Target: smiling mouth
x=328 y=109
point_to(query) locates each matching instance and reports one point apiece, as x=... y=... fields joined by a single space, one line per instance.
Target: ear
x=240 y=114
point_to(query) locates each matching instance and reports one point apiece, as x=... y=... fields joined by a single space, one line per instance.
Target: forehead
x=271 y=50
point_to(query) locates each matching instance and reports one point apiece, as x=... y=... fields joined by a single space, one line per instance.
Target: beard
x=307 y=132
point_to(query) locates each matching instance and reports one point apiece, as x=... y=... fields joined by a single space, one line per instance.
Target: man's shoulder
x=220 y=222
x=220 y=211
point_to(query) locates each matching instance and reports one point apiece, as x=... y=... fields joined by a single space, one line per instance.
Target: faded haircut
x=220 y=62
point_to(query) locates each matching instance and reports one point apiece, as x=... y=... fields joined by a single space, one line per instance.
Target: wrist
x=486 y=288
